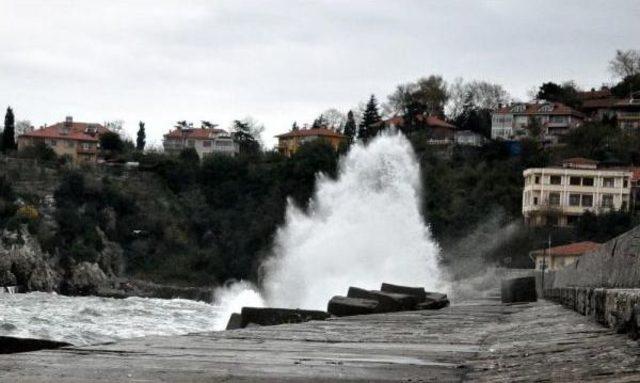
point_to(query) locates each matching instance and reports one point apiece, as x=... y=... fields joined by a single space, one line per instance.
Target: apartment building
x=599 y=105
x=76 y=140
x=559 y=195
x=515 y=121
x=205 y=141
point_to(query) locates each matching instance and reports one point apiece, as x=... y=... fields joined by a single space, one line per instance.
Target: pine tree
x=294 y=127
x=319 y=122
x=8 y=136
x=350 y=127
x=370 y=116
x=142 y=137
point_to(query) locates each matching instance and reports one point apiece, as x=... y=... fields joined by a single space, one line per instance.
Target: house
x=205 y=141
x=469 y=138
x=438 y=132
x=559 y=195
x=626 y=112
x=555 y=258
x=78 y=140
x=515 y=121
x=289 y=143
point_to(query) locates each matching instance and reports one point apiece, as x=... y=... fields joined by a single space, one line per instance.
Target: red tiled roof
x=432 y=121
x=609 y=103
x=197 y=134
x=534 y=109
x=320 y=132
x=78 y=131
x=635 y=176
x=577 y=248
x=595 y=94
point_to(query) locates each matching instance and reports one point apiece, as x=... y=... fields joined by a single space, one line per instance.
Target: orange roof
x=431 y=121
x=577 y=248
x=320 y=132
x=197 y=134
x=559 y=109
x=78 y=131
x=595 y=94
x=609 y=103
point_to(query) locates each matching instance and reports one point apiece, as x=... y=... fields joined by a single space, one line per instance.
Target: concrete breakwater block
x=345 y=306
x=417 y=292
x=518 y=290
x=11 y=345
x=387 y=302
x=260 y=316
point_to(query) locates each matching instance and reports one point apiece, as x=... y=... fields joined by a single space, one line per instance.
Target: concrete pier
x=481 y=341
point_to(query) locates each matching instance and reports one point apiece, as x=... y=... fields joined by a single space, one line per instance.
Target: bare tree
x=334 y=118
x=625 y=63
x=480 y=94
x=23 y=126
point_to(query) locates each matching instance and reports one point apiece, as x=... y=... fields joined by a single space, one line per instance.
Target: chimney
x=68 y=121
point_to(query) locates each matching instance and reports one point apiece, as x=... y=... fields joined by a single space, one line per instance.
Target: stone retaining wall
x=618 y=309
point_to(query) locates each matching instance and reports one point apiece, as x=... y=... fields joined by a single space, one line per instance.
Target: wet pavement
x=476 y=341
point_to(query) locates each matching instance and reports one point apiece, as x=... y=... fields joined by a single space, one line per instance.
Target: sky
x=160 y=61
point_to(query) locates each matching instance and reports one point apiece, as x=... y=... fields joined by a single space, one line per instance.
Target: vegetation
x=8 y=134
x=141 y=137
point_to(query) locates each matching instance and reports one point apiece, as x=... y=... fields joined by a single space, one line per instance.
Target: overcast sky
x=279 y=61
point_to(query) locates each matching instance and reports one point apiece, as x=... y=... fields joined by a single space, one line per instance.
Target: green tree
x=627 y=87
x=8 y=135
x=350 y=127
x=566 y=93
x=141 y=137
x=247 y=134
x=370 y=116
x=319 y=122
x=294 y=127
x=111 y=142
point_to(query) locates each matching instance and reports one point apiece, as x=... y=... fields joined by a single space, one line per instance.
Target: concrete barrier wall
x=615 y=265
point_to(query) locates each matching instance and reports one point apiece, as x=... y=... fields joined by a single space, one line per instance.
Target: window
x=53 y=142
x=554 y=199
x=625 y=182
x=607 y=200
x=518 y=108
x=587 y=200
x=191 y=143
x=575 y=181
x=535 y=200
x=537 y=179
x=546 y=108
x=574 y=199
x=608 y=182
x=206 y=144
x=555 y=180
x=587 y=181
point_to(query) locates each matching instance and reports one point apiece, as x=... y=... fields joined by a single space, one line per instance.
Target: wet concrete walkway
x=477 y=341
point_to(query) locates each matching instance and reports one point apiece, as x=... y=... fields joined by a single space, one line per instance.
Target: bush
x=39 y=151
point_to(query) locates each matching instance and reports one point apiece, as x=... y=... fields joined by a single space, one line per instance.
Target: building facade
x=289 y=143
x=559 y=195
x=516 y=121
x=469 y=138
x=204 y=141
x=77 y=140
x=626 y=112
x=555 y=258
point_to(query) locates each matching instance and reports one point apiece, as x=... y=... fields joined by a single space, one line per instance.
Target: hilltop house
x=78 y=140
x=205 y=141
x=600 y=104
x=289 y=143
x=515 y=121
x=557 y=257
x=559 y=195
x=438 y=132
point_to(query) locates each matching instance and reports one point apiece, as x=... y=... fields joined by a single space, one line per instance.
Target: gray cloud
x=279 y=61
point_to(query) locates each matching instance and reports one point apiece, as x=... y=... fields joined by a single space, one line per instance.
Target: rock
x=343 y=306
x=7 y=278
x=235 y=322
x=387 y=302
x=11 y=345
x=517 y=290
x=86 y=279
x=418 y=292
x=434 y=301
x=42 y=278
x=274 y=316
x=111 y=258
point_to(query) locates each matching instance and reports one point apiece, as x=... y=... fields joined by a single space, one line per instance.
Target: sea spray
x=359 y=230
x=232 y=298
